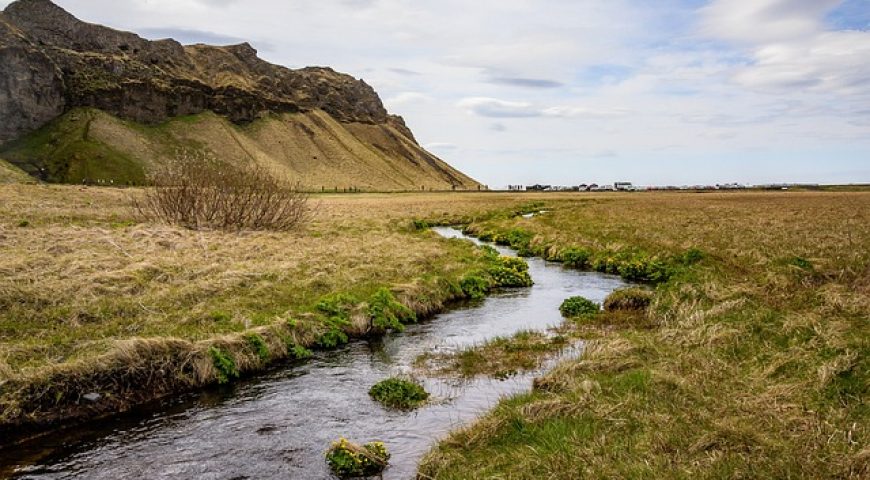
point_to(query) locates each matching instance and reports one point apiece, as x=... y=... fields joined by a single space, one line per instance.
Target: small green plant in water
x=224 y=364
x=578 y=307
x=398 y=392
x=258 y=345
x=347 y=459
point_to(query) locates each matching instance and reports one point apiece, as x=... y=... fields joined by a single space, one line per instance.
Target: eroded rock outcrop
x=53 y=62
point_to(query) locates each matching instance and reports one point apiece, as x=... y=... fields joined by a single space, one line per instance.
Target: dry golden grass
x=758 y=367
x=83 y=273
x=92 y=300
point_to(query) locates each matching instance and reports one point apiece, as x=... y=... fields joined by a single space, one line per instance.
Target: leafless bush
x=199 y=192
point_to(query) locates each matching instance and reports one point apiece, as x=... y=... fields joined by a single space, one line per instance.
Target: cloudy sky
x=571 y=91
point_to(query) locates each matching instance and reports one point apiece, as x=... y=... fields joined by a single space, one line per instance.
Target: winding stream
x=277 y=425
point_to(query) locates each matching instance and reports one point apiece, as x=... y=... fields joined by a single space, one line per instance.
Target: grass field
x=752 y=361
x=92 y=300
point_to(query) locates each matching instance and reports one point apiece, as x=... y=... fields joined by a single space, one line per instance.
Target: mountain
x=86 y=103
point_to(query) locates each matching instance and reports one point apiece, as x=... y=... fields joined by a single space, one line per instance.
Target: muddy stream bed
x=279 y=424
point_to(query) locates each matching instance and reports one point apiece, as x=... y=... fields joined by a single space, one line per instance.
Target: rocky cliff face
x=53 y=63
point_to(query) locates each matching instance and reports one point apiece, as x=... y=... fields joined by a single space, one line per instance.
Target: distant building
x=623 y=186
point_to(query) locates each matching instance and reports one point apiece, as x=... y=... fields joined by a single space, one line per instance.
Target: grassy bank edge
x=141 y=370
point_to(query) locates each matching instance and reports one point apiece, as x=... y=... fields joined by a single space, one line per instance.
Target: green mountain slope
x=87 y=145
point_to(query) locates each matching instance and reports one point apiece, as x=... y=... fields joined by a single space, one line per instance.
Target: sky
x=562 y=92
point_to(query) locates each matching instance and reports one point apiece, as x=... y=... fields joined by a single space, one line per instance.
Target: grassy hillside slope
x=90 y=146
x=12 y=174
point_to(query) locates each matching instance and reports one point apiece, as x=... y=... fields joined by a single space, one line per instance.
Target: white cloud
x=790 y=47
x=494 y=107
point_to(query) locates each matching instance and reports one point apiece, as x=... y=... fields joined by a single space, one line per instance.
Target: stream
x=279 y=424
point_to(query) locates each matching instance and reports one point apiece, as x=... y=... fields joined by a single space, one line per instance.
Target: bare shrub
x=197 y=191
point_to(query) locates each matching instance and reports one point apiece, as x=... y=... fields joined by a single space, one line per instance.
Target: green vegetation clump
x=336 y=308
x=333 y=336
x=510 y=272
x=508 y=277
x=398 y=392
x=518 y=239
x=576 y=257
x=387 y=313
x=628 y=299
x=224 y=364
x=578 y=307
x=299 y=352
x=474 y=286
x=258 y=345
x=419 y=225
x=348 y=460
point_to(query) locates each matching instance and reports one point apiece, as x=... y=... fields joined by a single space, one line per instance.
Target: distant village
x=629 y=187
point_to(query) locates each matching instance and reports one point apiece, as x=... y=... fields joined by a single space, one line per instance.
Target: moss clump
x=224 y=364
x=347 y=459
x=634 y=299
x=578 y=307
x=399 y=393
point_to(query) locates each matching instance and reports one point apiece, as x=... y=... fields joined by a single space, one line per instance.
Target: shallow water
x=279 y=424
